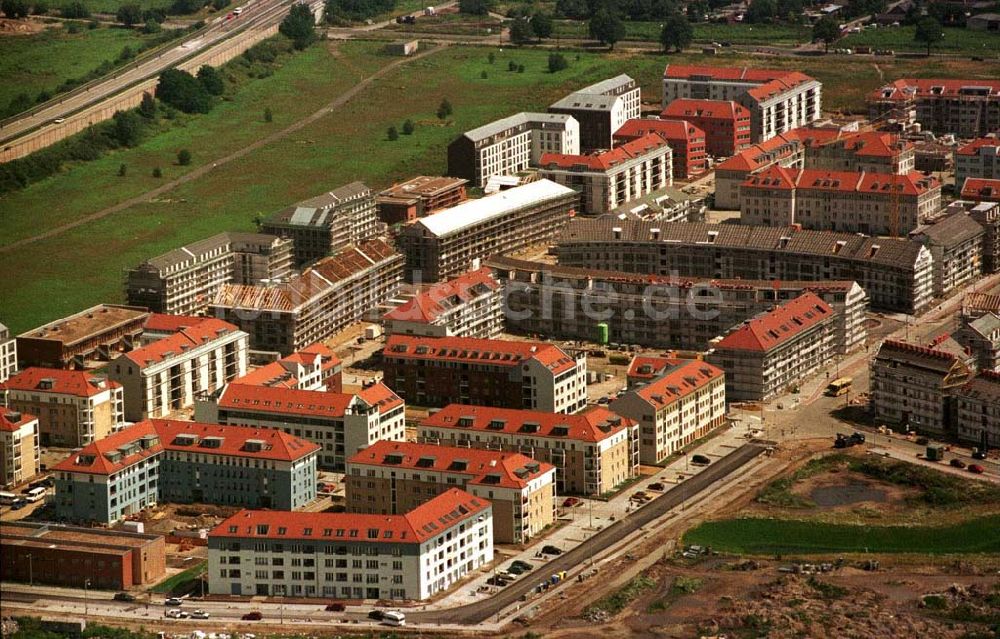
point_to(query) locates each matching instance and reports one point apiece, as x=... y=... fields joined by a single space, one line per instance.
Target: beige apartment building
x=775 y=351
x=968 y=108
x=956 y=243
x=8 y=353
x=839 y=200
x=684 y=404
x=74 y=408
x=601 y=109
x=978 y=159
x=593 y=451
x=19 y=448
x=469 y=305
x=978 y=410
x=183 y=281
x=391 y=478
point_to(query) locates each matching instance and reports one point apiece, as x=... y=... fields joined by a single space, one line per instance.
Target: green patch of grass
x=938 y=489
x=182 y=580
x=778 y=493
x=775 y=536
x=41 y=62
x=31 y=628
x=681 y=586
x=616 y=602
x=764 y=34
x=826 y=589
x=979 y=43
x=934 y=602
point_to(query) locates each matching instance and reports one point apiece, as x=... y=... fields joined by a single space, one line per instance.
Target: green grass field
x=181 y=579
x=978 y=43
x=772 y=35
x=43 y=61
x=776 y=536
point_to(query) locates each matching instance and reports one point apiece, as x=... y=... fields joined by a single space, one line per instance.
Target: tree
x=127 y=129
x=557 y=62
x=75 y=10
x=483 y=75
x=184 y=7
x=147 y=108
x=475 y=7
x=122 y=170
x=219 y=5
x=151 y=26
x=573 y=9
x=183 y=157
x=928 y=32
x=827 y=31
x=129 y=14
x=157 y=172
x=211 y=79
x=392 y=134
x=491 y=57
x=520 y=68
x=541 y=25
x=607 y=28
x=677 y=32
x=15 y=9
x=761 y=11
x=444 y=110
x=268 y=116
x=39 y=7
x=520 y=31
x=408 y=127
x=183 y=91
x=299 y=26
x=697 y=10
x=345 y=10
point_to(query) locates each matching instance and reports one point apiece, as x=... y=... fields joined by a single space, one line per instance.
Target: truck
x=934 y=453
x=846 y=441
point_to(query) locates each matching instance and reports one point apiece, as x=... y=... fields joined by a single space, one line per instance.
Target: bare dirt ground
x=20 y=27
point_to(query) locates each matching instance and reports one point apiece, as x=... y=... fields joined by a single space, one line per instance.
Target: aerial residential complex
x=74 y=408
x=326 y=223
x=329 y=296
x=966 y=108
x=978 y=159
x=726 y=123
x=429 y=371
x=684 y=404
x=18 y=447
x=956 y=243
x=184 y=280
x=448 y=243
x=341 y=424
x=601 y=109
x=778 y=100
x=510 y=145
x=97 y=334
x=314 y=368
x=594 y=451
x=392 y=478
x=409 y=556
x=179 y=461
x=978 y=410
x=687 y=142
x=419 y=196
x=609 y=179
x=468 y=306
x=895 y=273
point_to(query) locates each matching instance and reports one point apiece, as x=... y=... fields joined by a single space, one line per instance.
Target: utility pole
x=86 y=600
x=31 y=571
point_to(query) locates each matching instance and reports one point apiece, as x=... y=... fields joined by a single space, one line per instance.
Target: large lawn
x=978 y=43
x=43 y=61
x=765 y=34
x=777 y=536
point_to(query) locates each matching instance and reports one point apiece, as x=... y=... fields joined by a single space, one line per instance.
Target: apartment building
x=314 y=368
x=184 y=462
x=8 y=353
x=412 y=556
x=956 y=244
x=653 y=310
x=451 y=242
x=979 y=158
x=987 y=215
x=778 y=100
x=686 y=141
x=911 y=386
x=329 y=296
x=777 y=350
x=978 y=410
x=980 y=190
x=684 y=404
x=404 y=202
x=341 y=424
x=437 y=371
x=19 y=451
x=468 y=306
x=74 y=408
x=326 y=223
x=726 y=123
x=839 y=200
x=981 y=336
x=168 y=375
x=594 y=451
x=965 y=108
x=609 y=179
x=510 y=145
x=97 y=334
x=601 y=109
x=896 y=274
x=392 y=478
x=183 y=281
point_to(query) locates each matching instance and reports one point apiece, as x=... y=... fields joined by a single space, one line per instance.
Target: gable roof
x=674 y=130
x=495 y=352
x=973 y=148
x=981 y=189
x=714 y=109
x=908 y=88
x=772 y=329
x=59 y=381
x=915 y=355
x=11 y=420
x=426 y=306
x=781 y=178
x=593 y=425
x=204 y=332
x=292 y=401
x=684 y=378
x=606 y=160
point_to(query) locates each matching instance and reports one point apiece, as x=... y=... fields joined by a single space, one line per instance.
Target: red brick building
x=726 y=123
x=418 y=197
x=685 y=139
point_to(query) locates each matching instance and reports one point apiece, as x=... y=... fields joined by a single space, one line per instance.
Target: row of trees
x=130 y=14
x=340 y=10
x=928 y=32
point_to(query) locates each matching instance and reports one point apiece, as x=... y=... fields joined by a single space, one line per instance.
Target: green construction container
x=602 y=333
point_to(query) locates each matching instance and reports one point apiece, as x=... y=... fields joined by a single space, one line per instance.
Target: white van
x=393 y=618
x=35 y=494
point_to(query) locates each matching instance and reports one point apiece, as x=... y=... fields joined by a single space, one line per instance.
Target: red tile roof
x=758 y=155
x=972 y=148
x=225 y=440
x=779 y=85
x=428 y=305
x=494 y=352
x=289 y=401
x=205 y=331
x=606 y=160
x=670 y=130
x=592 y=425
x=649 y=366
x=772 y=329
x=776 y=177
x=980 y=189
x=684 y=108
x=906 y=88
x=9 y=424
x=684 y=378
x=424 y=522
x=279 y=374
x=504 y=469
x=163 y=323
x=63 y=382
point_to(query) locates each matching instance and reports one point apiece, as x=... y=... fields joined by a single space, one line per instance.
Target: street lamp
x=31 y=572
x=86 y=600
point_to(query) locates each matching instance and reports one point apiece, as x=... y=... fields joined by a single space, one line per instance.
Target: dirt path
x=236 y=155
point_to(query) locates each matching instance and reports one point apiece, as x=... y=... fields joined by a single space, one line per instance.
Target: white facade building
x=8 y=353
x=468 y=306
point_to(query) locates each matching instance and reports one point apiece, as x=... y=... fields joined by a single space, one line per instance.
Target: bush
x=75 y=11
x=335 y=10
x=392 y=135
x=73 y=28
x=475 y=7
x=219 y=5
x=122 y=170
x=184 y=157
x=183 y=91
x=211 y=80
x=157 y=172
x=557 y=62
x=483 y=75
x=15 y=9
x=129 y=14
x=299 y=26
x=151 y=26
x=408 y=127
x=268 y=116
x=444 y=109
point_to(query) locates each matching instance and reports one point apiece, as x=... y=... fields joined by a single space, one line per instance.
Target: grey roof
x=986 y=325
x=599 y=96
x=897 y=252
x=4 y=332
x=318 y=210
x=984 y=386
x=525 y=117
x=917 y=356
x=201 y=247
x=953 y=230
x=607 y=86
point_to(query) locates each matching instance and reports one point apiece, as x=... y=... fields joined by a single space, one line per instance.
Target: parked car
x=252 y=616
x=979 y=454
x=551 y=550
x=18 y=504
x=376 y=615
x=957 y=463
x=174 y=613
x=640 y=496
x=506 y=574
x=172 y=601
x=336 y=606
x=569 y=502
x=497 y=581
x=199 y=614
x=124 y=596
x=700 y=460
x=657 y=486
x=976 y=468
x=523 y=565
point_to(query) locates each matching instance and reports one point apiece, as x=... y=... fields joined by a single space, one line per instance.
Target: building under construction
x=965 y=108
